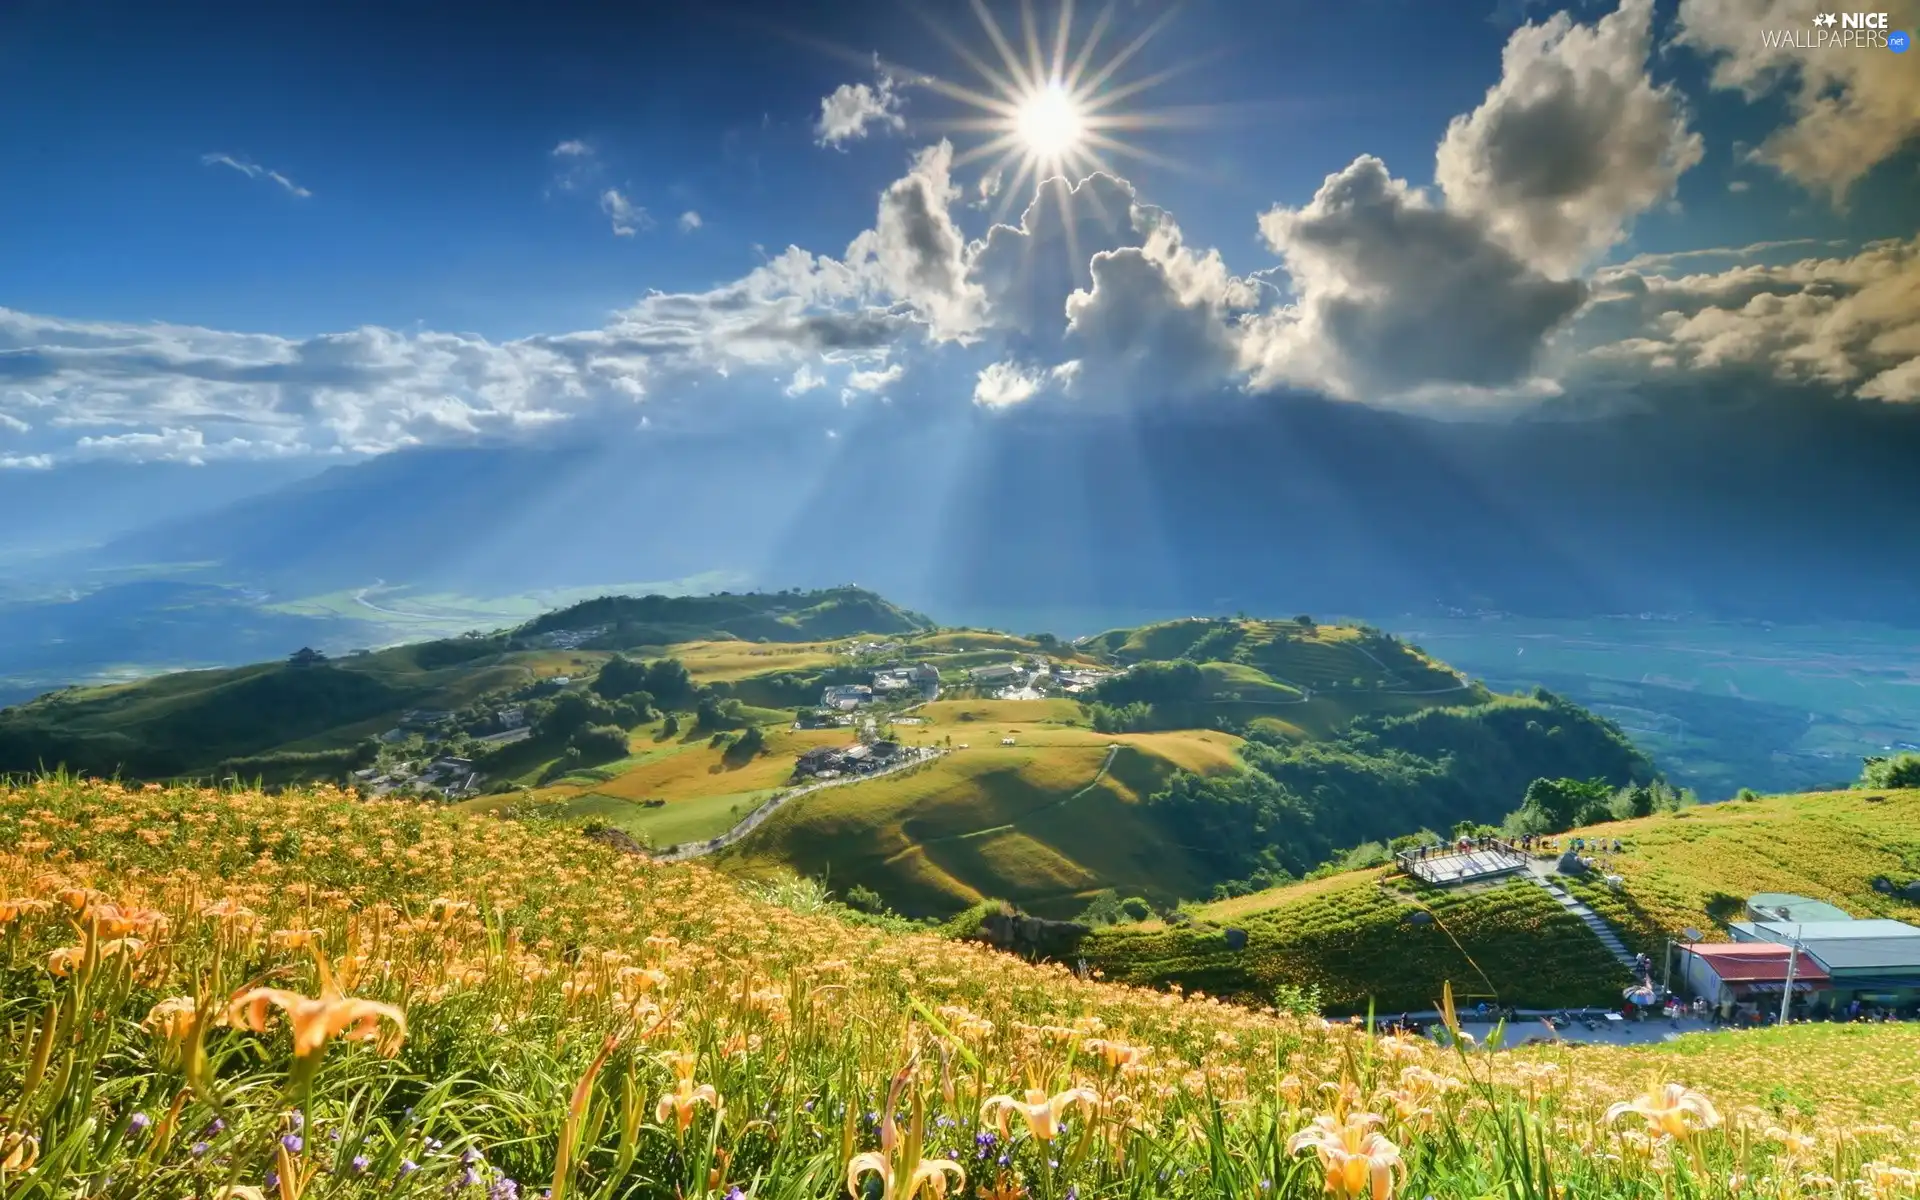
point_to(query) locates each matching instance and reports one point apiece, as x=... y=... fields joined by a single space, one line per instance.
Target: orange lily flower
x=1357 y=1157
x=685 y=1095
x=903 y=1173
x=317 y=1020
x=1672 y=1110
x=1042 y=1111
x=18 y=1151
x=171 y=1019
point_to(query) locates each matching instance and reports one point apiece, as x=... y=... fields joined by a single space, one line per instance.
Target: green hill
x=1695 y=867
x=1046 y=822
x=754 y=616
x=1354 y=937
x=1377 y=741
x=289 y=721
x=1359 y=937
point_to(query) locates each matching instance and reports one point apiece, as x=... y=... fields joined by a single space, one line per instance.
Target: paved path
x=687 y=850
x=1542 y=874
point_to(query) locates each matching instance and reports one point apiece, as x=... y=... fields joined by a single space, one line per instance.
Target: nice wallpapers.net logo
x=1841 y=31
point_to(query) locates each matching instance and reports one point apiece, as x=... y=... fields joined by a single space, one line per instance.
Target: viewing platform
x=1445 y=866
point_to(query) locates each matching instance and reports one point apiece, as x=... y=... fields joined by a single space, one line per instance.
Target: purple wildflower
x=199 y=1149
x=504 y=1189
x=140 y=1122
x=273 y=1179
x=294 y=1143
x=408 y=1167
x=471 y=1155
x=360 y=1164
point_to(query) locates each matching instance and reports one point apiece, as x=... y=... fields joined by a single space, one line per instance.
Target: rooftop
x=1895 y=955
x=1877 y=928
x=1786 y=906
x=1755 y=962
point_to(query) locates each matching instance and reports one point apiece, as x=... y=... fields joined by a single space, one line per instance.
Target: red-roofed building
x=1746 y=972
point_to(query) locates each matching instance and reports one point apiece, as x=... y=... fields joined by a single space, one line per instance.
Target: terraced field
x=1045 y=822
x=1697 y=866
x=1358 y=939
x=701 y=792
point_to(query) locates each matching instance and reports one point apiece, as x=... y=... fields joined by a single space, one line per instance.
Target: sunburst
x=1053 y=109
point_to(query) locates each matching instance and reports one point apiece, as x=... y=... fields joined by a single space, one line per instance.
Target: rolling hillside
x=503 y=1000
x=1696 y=867
x=1358 y=937
x=1045 y=822
x=1353 y=936
x=189 y=723
x=1316 y=738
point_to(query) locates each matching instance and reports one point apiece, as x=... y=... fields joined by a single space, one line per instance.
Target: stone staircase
x=1588 y=917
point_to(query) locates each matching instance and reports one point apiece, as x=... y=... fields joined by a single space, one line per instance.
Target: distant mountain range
x=1757 y=509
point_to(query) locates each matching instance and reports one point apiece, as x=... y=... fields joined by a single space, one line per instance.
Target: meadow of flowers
x=231 y=996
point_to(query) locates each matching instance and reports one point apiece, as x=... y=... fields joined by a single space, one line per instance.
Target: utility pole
x=1793 y=960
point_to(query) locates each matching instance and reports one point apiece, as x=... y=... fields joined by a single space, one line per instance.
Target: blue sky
x=283 y=172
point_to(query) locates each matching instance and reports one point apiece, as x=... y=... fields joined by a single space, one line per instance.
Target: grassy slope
x=507 y=1038
x=1304 y=683
x=1349 y=935
x=1696 y=867
x=706 y=793
x=1027 y=822
x=187 y=722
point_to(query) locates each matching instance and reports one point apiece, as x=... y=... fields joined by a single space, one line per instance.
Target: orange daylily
x=903 y=1173
x=18 y=1151
x=1357 y=1157
x=317 y=1020
x=1671 y=1110
x=685 y=1095
x=1042 y=1111
x=171 y=1019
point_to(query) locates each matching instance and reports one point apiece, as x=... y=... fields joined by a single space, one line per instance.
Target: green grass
x=500 y=961
x=691 y=820
x=1035 y=823
x=1697 y=866
x=1350 y=936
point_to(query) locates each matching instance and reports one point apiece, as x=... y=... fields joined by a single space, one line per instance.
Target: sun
x=1049 y=123
x=1050 y=103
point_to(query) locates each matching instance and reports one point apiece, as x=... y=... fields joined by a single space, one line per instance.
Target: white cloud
x=915 y=254
x=9 y=421
x=877 y=380
x=988 y=187
x=853 y=108
x=626 y=217
x=572 y=148
x=1156 y=324
x=253 y=170
x=805 y=380
x=26 y=462
x=1849 y=323
x=689 y=221
x=1393 y=292
x=1005 y=384
x=1572 y=143
x=1849 y=108
x=1026 y=272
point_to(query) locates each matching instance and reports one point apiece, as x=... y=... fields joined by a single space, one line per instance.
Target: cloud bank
x=1478 y=291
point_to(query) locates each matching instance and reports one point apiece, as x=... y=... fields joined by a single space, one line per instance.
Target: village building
x=1875 y=961
x=846 y=696
x=1729 y=975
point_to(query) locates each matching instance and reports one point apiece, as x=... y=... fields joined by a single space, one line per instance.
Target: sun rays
x=1046 y=105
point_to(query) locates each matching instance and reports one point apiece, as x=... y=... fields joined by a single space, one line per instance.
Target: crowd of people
x=1528 y=844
